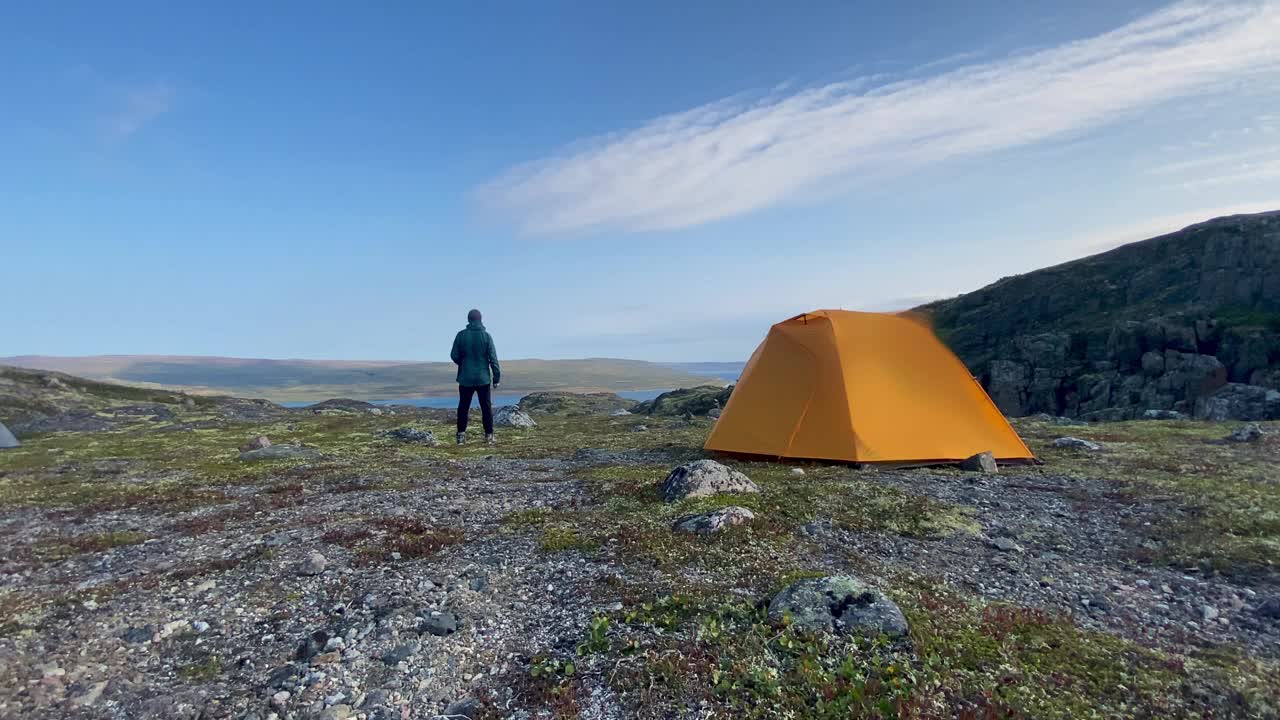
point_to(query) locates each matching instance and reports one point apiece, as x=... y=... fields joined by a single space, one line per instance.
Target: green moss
x=1224 y=504
x=205 y=669
x=678 y=653
x=91 y=543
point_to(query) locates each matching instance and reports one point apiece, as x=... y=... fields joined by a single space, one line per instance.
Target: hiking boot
x=462 y=438
x=490 y=439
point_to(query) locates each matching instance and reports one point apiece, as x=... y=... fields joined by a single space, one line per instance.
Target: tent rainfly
x=861 y=387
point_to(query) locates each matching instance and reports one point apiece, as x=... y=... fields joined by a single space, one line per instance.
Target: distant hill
x=1188 y=322
x=307 y=380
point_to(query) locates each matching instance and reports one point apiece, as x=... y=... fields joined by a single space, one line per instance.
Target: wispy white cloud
x=1211 y=161
x=737 y=155
x=137 y=107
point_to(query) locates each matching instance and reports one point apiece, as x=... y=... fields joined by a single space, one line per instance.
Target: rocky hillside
x=1187 y=322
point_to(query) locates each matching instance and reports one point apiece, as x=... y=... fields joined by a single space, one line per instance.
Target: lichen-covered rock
x=1153 y=414
x=1074 y=443
x=7 y=440
x=257 y=443
x=572 y=404
x=343 y=406
x=840 y=604
x=280 y=452
x=702 y=478
x=1246 y=433
x=313 y=564
x=983 y=462
x=697 y=401
x=411 y=435
x=714 y=521
x=512 y=416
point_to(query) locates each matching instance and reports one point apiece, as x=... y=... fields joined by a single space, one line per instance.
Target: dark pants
x=464 y=407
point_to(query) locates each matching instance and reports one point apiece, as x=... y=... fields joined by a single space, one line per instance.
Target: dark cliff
x=1187 y=322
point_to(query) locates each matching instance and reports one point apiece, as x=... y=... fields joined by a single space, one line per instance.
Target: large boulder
x=1236 y=401
x=512 y=416
x=7 y=440
x=702 y=478
x=841 y=604
x=692 y=401
x=714 y=521
x=567 y=403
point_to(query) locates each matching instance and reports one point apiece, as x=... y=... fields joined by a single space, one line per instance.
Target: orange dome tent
x=861 y=387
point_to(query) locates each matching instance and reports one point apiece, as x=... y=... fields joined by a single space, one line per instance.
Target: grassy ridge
x=307 y=380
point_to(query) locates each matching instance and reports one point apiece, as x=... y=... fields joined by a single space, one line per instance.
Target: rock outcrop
x=695 y=401
x=573 y=404
x=1187 y=322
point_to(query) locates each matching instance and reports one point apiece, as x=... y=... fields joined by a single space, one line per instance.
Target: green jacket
x=475 y=356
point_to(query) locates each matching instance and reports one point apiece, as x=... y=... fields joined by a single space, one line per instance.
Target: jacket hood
x=475 y=326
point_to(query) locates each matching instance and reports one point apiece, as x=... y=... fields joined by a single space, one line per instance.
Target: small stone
x=200 y=626
x=983 y=462
x=91 y=695
x=90 y=604
x=464 y=708
x=257 y=443
x=1004 y=544
x=640 y=428
x=314 y=564
x=412 y=435
x=335 y=643
x=401 y=653
x=1246 y=433
x=140 y=635
x=395 y=555
x=337 y=712
x=281 y=698
x=1270 y=608
x=1209 y=613
x=439 y=624
x=715 y=521
x=328 y=658
x=797 y=471
x=478 y=583
x=1074 y=443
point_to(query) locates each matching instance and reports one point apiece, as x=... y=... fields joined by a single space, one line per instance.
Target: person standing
x=478 y=374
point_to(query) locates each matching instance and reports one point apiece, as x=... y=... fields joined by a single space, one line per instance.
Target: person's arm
x=456 y=353
x=493 y=362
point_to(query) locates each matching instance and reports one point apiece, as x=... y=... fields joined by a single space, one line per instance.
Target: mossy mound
x=695 y=401
x=574 y=404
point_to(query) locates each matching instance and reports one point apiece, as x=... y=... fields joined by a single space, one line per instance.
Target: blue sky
x=649 y=180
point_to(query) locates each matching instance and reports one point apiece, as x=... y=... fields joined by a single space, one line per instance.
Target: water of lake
x=451 y=401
